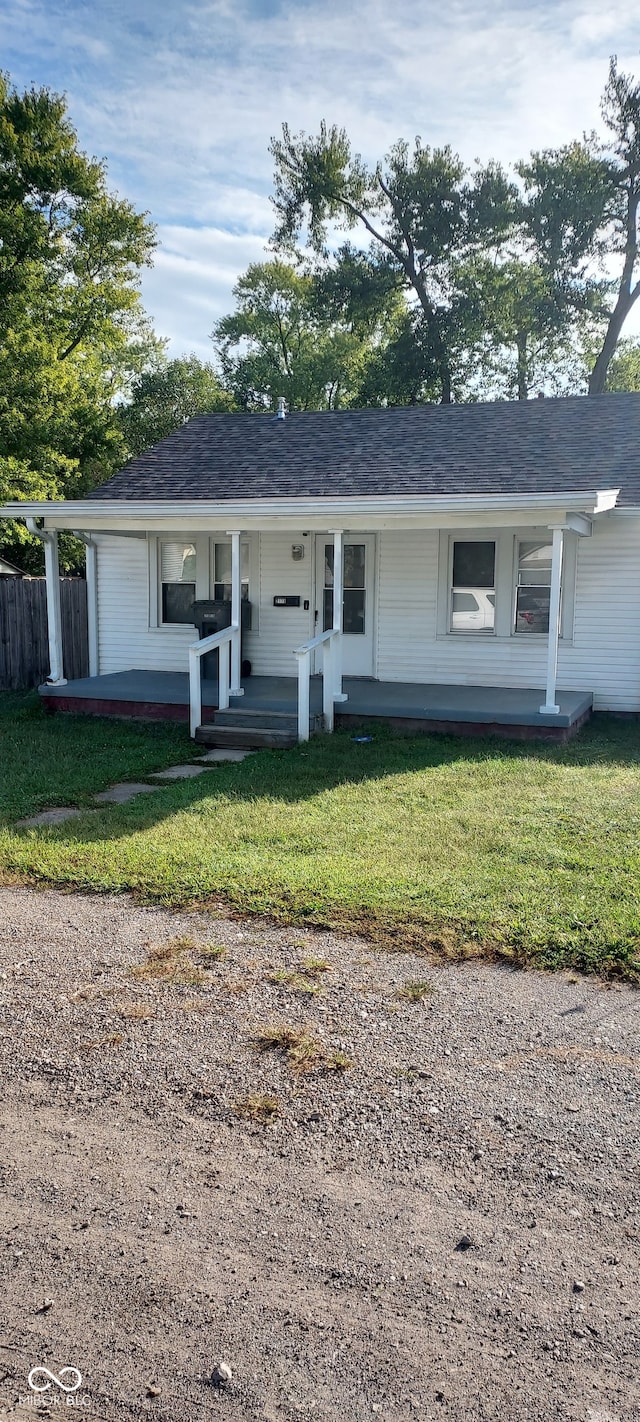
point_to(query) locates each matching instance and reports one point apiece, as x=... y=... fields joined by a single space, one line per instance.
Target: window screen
x=354 y=589
x=533 y=589
x=222 y=571
x=178 y=580
x=473 y=597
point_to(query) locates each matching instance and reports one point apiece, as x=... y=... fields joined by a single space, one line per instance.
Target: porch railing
x=224 y=641
x=328 y=641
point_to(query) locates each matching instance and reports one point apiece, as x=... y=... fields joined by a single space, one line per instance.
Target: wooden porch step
x=245 y=737
x=268 y=720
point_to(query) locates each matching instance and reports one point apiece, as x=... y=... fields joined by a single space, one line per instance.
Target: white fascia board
x=385 y=510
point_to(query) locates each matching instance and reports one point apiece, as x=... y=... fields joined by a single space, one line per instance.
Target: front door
x=358 y=600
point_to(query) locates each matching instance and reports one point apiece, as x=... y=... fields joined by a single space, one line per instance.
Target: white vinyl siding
x=282 y=629
x=128 y=640
x=125 y=639
x=407 y=605
x=603 y=655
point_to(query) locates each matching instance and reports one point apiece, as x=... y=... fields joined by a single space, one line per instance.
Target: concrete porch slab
x=152 y=695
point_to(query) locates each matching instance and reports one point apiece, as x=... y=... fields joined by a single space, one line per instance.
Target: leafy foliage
x=507 y=280
x=582 y=220
x=422 y=209
x=72 y=331
x=624 y=371
x=164 y=397
x=307 y=337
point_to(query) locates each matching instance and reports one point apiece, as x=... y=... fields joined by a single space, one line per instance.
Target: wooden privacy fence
x=24 y=639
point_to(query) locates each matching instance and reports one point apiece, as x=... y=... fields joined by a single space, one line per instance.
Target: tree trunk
x=433 y=324
x=445 y=376
x=627 y=295
x=598 y=377
x=523 y=373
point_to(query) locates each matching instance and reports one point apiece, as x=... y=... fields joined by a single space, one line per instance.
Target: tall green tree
x=72 y=330
x=164 y=397
x=621 y=113
x=365 y=292
x=422 y=209
x=581 y=212
x=291 y=335
x=529 y=333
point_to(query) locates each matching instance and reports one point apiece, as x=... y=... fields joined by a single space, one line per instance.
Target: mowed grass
x=529 y=853
x=59 y=760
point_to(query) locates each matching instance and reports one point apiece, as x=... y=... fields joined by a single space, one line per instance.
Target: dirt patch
x=443 y=1226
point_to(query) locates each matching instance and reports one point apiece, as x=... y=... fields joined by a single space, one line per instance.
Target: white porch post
x=91 y=566
x=54 y=614
x=235 y=688
x=550 y=707
x=92 y=606
x=338 y=598
x=304 y=672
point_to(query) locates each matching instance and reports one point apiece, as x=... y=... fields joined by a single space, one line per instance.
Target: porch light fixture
x=297 y=552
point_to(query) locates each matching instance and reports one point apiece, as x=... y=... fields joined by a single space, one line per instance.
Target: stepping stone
x=224 y=754
x=119 y=794
x=180 y=772
x=52 y=817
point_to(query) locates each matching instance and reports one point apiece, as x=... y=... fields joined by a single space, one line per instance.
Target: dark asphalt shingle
x=535 y=446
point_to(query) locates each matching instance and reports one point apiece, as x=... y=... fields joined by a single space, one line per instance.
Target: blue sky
x=182 y=99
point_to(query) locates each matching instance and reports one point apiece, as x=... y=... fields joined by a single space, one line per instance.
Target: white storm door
x=358 y=599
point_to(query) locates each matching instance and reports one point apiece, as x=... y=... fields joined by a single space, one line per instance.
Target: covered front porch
x=463 y=613
x=360 y=612
x=413 y=707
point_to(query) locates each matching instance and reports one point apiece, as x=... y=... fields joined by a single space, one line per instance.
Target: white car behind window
x=472 y=610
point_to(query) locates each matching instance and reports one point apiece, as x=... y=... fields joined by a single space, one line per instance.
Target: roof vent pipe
x=282 y=408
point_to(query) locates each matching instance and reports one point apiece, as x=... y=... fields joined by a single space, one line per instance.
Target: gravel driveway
x=445 y=1229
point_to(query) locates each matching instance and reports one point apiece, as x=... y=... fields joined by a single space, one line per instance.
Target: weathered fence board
x=24 y=640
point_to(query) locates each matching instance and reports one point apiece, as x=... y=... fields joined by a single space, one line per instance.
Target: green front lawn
x=460 y=846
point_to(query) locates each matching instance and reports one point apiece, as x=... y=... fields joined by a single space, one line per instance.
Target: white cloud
x=189 y=288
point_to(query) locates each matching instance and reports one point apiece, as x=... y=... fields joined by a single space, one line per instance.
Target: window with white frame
x=533 y=585
x=177 y=581
x=473 y=586
x=222 y=571
x=499 y=586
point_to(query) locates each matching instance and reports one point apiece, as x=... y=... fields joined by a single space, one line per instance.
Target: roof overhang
x=322 y=514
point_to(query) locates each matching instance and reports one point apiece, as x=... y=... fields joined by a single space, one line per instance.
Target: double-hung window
x=501 y=586
x=222 y=571
x=177 y=581
x=473 y=586
x=183 y=571
x=533 y=586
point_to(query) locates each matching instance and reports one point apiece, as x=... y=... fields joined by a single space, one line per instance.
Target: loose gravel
x=446 y=1229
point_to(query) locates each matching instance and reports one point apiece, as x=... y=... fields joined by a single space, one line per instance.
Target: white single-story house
x=462 y=567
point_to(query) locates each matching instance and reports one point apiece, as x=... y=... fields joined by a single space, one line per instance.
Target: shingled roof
x=508 y=447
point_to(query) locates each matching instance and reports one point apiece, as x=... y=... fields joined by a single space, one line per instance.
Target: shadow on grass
x=487 y=922
x=93 y=752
